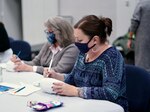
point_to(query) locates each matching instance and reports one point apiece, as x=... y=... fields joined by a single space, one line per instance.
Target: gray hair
x=62 y=30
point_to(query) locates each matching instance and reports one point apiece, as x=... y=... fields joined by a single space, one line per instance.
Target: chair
x=11 y=39
x=24 y=47
x=121 y=45
x=138 y=89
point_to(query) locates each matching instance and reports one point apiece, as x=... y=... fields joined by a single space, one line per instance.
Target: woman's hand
x=45 y=72
x=52 y=74
x=65 y=89
x=20 y=67
x=15 y=59
x=129 y=43
x=49 y=73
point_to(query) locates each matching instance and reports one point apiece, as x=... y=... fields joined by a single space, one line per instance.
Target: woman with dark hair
x=5 y=50
x=99 y=70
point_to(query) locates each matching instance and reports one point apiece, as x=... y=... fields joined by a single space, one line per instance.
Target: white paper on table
x=15 y=86
x=29 y=89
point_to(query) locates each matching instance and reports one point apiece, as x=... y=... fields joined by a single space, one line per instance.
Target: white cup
x=47 y=83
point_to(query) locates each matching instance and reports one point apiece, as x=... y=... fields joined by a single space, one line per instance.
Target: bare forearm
x=59 y=76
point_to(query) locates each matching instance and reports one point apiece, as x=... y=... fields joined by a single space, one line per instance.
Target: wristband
x=80 y=92
x=34 y=68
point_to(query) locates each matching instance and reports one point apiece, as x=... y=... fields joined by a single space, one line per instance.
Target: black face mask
x=83 y=47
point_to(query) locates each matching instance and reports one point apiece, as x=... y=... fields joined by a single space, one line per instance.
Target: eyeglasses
x=47 y=32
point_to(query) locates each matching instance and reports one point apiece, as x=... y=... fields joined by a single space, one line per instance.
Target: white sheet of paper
x=29 y=89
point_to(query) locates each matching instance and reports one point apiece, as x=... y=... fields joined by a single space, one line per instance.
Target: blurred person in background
x=5 y=50
x=140 y=27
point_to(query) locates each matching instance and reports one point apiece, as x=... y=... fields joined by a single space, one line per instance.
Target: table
x=11 y=103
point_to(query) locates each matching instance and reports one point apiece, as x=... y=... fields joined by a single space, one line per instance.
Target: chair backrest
x=24 y=47
x=11 y=39
x=138 y=89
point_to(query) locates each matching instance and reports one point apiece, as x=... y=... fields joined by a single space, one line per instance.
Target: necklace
x=95 y=54
x=87 y=58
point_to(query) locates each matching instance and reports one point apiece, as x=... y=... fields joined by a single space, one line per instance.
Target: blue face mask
x=83 y=47
x=51 y=38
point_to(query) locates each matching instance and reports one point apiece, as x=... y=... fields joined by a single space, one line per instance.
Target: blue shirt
x=103 y=78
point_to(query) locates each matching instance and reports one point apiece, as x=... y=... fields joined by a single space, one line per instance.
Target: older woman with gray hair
x=58 y=54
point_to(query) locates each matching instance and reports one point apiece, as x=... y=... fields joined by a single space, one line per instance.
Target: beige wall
x=35 y=12
x=80 y=8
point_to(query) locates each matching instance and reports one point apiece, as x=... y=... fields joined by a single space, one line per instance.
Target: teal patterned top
x=103 y=78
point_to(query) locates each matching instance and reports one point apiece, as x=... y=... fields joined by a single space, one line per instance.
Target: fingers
x=129 y=44
x=58 y=88
x=49 y=73
x=19 y=66
x=59 y=84
x=18 y=63
x=46 y=72
x=62 y=88
x=15 y=59
x=14 y=56
x=59 y=91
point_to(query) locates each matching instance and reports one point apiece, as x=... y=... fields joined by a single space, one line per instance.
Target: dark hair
x=108 y=23
x=4 y=40
x=92 y=26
